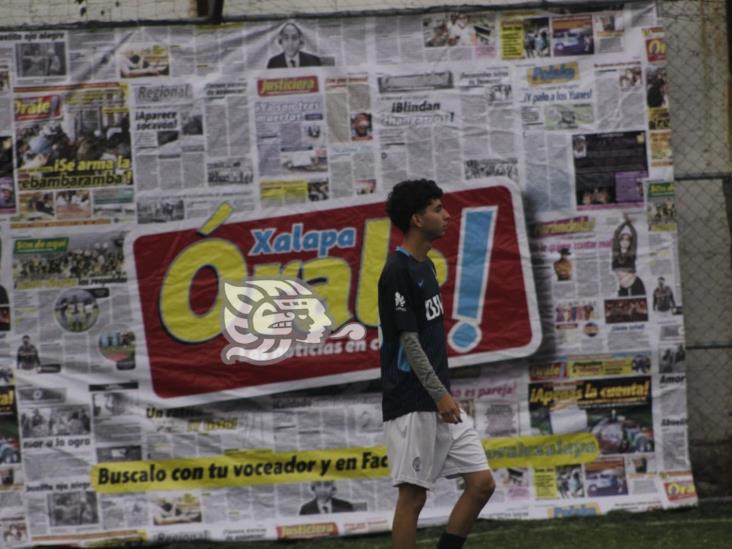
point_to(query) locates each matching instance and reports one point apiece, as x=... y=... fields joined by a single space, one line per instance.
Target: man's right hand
x=448 y=409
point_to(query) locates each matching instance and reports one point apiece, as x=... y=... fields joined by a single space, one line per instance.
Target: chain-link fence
x=698 y=74
x=49 y=13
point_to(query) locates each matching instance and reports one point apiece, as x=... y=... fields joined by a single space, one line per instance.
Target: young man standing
x=427 y=434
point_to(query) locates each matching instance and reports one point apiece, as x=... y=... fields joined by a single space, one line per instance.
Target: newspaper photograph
x=10 y=442
x=41 y=57
x=661 y=206
x=117 y=204
x=68 y=261
x=609 y=30
x=8 y=201
x=461 y=30
x=572 y=36
x=609 y=169
x=143 y=60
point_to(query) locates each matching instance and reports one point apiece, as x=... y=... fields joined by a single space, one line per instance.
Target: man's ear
x=416 y=220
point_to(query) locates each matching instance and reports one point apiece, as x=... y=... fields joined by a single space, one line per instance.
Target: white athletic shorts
x=422 y=448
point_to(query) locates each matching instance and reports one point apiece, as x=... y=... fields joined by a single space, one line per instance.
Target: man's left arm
x=447 y=407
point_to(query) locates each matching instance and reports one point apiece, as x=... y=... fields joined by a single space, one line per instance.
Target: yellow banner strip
x=541 y=450
x=257 y=467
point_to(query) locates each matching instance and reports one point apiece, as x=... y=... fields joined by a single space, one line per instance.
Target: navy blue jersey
x=409 y=301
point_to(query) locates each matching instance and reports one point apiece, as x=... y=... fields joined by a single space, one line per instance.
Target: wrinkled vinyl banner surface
x=152 y=178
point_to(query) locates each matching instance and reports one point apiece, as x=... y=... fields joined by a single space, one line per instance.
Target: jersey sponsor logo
x=399 y=302
x=433 y=307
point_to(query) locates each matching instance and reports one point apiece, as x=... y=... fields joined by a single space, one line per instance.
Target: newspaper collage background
x=111 y=130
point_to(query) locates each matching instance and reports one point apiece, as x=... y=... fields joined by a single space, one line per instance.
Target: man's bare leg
x=409 y=504
x=479 y=487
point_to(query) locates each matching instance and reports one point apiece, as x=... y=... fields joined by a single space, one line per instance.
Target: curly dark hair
x=408 y=198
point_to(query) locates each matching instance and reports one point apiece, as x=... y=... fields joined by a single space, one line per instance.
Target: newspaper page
x=609 y=31
x=291 y=141
x=351 y=131
x=489 y=122
x=40 y=57
x=419 y=117
x=168 y=130
x=620 y=94
x=69 y=140
x=556 y=103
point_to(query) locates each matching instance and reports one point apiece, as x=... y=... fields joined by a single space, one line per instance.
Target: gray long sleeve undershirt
x=421 y=365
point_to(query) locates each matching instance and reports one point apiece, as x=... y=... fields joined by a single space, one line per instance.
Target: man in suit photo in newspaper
x=291 y=41
x=324 y=500
x=427 y=434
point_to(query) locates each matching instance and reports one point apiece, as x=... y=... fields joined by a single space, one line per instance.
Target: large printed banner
x=160 y=186
x=482 y=262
